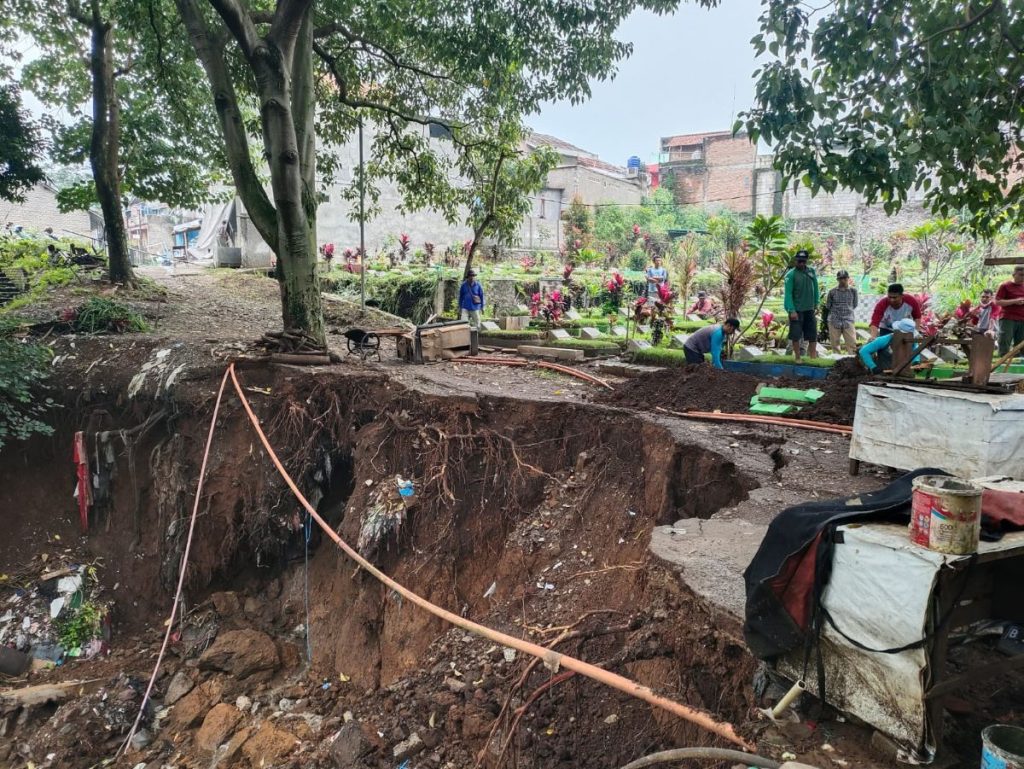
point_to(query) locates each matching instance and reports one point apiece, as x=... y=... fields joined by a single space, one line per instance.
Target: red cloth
x=879 y=311
x=1003 y=506
x=1011 y=290
x=81 y=459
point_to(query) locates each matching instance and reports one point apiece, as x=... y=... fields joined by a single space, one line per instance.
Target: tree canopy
x=887 y=97
x=20 y=147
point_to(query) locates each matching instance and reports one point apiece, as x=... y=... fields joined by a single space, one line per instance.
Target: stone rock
x=476 y=723
x=252 y=606
x=590 y=333
x=243 y=703
x=408 y=748
x=678 y=341
x=349 y=746
x=196 y=704
x=455 y=685
x=179 y=686
x=241 y=653
x=218 y=725
x=227 y=604
x=141 y=739
x=268 y=745
x=226 y=756
x=637 y=344
x=613 y=718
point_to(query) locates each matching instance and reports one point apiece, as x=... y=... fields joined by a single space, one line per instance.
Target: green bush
x=637 y=260
x=83 y=625
x=24 y=367
x=659 y=356
x=99 y=315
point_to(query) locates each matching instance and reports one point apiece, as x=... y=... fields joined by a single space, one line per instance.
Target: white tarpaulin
x=880 y=595
x=964 y=433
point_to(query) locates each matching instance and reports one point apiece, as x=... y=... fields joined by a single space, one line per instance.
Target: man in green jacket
x=801 y=302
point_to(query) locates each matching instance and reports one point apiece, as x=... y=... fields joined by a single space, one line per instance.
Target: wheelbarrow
x=364 y=344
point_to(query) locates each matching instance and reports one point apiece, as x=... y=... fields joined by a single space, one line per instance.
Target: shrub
x=99 y=315
x=637 y=260
x=23 y=370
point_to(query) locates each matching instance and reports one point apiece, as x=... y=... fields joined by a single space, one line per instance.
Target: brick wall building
x=713 y=169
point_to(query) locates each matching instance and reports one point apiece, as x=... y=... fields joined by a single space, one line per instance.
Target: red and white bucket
x=946 y=514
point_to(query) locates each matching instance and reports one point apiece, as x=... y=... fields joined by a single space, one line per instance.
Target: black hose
x=715 y=754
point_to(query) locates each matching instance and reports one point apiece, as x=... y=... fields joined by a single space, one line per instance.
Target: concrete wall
x=39 y=211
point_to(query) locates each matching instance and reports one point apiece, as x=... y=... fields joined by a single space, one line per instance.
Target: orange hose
x=552 y=659
x=806 y=424
x=573 y=372
x=184 y=561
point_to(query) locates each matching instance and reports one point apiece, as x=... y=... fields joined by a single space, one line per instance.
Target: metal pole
x=362 y=223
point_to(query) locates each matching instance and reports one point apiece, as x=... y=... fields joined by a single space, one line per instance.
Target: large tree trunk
x=289 y=136
x=104 y=149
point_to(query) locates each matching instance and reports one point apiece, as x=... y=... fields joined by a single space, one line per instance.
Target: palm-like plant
x=766 y=237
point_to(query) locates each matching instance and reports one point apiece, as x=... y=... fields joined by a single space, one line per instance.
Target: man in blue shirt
x=868 y=353
x=655 y=276
x=709 y=340
x=471 y=299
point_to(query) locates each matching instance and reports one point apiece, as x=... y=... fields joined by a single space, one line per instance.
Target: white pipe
x=787 y=700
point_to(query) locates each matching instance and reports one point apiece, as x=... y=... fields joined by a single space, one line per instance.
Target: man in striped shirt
x=840 y=304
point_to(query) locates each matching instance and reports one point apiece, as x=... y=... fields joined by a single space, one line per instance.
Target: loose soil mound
x=694 y=388
x=840 y=398
x=703 y=388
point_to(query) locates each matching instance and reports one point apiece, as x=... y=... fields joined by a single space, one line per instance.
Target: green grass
x=524 y=334
x=790 y=361
x=659 y=356
x=582 y=344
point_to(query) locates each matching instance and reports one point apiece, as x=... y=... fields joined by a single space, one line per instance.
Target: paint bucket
x=1002 y=747
x=946 y=514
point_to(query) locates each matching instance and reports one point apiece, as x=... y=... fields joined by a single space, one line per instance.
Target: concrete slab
x=710 y=556
x=746 y=352
x=573 y=315
x=628 y=370
x=678 y=341
x=863 y=334
x=949 y=353
x=618 y=330
x=556 y=334
x=490 y=325
x=550 y=352
x=643 y=329
x=695 y=317
x=637 y=344
x=590 y=333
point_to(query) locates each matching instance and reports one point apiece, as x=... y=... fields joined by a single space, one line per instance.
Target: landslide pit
x=531 y=517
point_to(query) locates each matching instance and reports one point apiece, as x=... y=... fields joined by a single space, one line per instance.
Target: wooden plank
x=997 y=260
x=982 y=348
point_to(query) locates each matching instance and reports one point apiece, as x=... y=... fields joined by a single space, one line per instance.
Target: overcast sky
x=689 y=72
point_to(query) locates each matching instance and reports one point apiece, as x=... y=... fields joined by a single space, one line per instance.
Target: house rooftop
x=546 y=140
x=686 y=140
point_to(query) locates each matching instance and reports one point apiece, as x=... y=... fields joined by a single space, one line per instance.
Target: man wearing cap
x=471 y=299
x=704 y=306
x=840 y=303
x=801 y=302
x=876 y=354
x=709 y=340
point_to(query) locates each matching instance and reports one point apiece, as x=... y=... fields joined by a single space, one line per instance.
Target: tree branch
x=240 y=24
x=209 y=48
x=344 y=98
x=376 y=49
x=285 y=26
